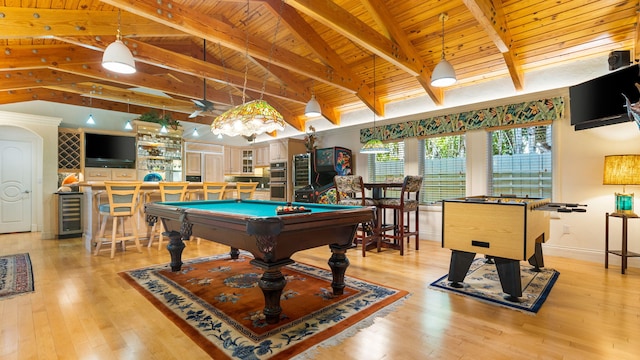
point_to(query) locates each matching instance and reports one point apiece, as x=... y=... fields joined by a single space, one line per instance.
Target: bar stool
x=169 y=191
x=407 y=203
x=214 y=190
x=123 y=204
x=246 y=190
x=350 y=191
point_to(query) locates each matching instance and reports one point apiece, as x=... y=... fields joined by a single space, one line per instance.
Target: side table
x=623 y=253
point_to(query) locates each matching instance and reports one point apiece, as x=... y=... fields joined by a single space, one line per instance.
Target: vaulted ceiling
x=285 y=51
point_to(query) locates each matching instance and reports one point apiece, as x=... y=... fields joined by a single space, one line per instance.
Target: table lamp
x=622 y=170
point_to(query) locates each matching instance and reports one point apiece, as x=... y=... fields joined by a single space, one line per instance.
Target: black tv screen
x=599 y=102
x=114 y=151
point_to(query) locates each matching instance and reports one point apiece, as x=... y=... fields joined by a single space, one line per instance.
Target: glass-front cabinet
x=159 y=154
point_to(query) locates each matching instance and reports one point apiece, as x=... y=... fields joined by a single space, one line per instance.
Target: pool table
x=254 y=226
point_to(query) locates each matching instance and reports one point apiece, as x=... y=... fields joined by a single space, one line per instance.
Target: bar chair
x=123 y=201
x=407 y=203
x=169 y=191
x=246 y=190
x=214 y=190
x=350 y=191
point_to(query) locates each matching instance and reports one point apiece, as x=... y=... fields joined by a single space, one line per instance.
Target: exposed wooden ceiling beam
x=38 y=23
x=398 y=35
x=307 y=34
x=203 y=26
x=338 y=19
x=490 y=15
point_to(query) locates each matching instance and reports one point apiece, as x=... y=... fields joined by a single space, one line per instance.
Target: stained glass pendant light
x=253 y=117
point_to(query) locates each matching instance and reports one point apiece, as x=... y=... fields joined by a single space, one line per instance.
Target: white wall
x=577 y=176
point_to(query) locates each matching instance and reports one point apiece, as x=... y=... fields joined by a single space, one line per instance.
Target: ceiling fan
x=202 y=105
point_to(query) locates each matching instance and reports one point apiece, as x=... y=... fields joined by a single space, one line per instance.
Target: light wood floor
x=82 y=309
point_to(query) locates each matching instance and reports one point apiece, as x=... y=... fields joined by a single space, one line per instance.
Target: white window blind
x=388 y=167
x=521 y=162
x=443 y=168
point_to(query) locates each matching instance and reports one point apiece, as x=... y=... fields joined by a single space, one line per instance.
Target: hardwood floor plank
x=83 y=309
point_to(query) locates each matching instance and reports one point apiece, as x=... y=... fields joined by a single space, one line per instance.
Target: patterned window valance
x=529 y=112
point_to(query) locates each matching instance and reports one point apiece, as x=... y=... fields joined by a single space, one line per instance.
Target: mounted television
x=109 y=151
x=599 y=102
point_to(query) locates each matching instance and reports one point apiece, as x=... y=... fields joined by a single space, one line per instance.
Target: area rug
x=16 y=276
x=217 y=302
x=482 y=283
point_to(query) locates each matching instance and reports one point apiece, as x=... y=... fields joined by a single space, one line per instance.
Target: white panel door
x=15 y=186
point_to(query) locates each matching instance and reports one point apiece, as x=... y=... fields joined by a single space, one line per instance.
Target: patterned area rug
x=482 y=283
x=217 y=302
x=16 y=276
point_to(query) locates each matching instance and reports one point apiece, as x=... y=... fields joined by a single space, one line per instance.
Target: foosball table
x=506 y=229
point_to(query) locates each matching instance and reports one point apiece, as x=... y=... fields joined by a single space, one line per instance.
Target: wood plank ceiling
x=283 y=51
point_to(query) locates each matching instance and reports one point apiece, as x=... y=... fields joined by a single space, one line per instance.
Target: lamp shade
x=621 y=170
x=118 y=58
x=313 y=107
x=443 y=74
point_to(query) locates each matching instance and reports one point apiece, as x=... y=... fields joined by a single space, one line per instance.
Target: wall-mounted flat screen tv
x=111 y=151
x=599 y=102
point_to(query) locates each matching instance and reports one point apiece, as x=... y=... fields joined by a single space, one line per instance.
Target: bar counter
x=95 y=194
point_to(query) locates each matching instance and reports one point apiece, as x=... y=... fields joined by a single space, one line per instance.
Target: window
x=521 y=162
x=443 y=168
x=389 y=166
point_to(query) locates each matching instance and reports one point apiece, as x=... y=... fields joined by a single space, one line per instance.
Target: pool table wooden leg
x=175 y=247
x=338 y=264
x=272 y=283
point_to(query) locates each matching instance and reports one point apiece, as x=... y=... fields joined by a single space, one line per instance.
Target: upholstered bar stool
x=123 y=205
x=169 y=191
x=246 y=190
x=214 y=190
x=350 y=191
x=407 y=203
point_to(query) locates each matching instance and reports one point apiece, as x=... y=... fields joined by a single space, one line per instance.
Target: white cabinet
x=238 y=161
x=213 y=165
x=278 y=151
x=261 y=154
x=193 y=163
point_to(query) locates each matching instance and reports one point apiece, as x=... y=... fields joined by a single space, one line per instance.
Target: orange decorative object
x=70 y=179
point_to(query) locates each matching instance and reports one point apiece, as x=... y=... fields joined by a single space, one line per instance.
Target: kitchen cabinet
x=193 y=163
x=213 y=165
x=239 y=161
x=106 y=174
x=261 y=154
x=278 y=151
x=205 y=160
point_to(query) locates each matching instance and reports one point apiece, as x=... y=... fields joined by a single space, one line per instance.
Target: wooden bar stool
x=350 y=191
x=169 y=191
x=123 y=204
x=407 y=203
x=214 y=190
x=246 y=190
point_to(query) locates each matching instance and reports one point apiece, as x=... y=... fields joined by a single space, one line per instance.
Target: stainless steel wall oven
x=278 y=181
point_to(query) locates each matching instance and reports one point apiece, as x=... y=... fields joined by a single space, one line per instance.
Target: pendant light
x=127 y=125
x=374 y=145
x=117 y=57
x=313 y=106
x=443 y=74
x=90 y=120
x=195 y=132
